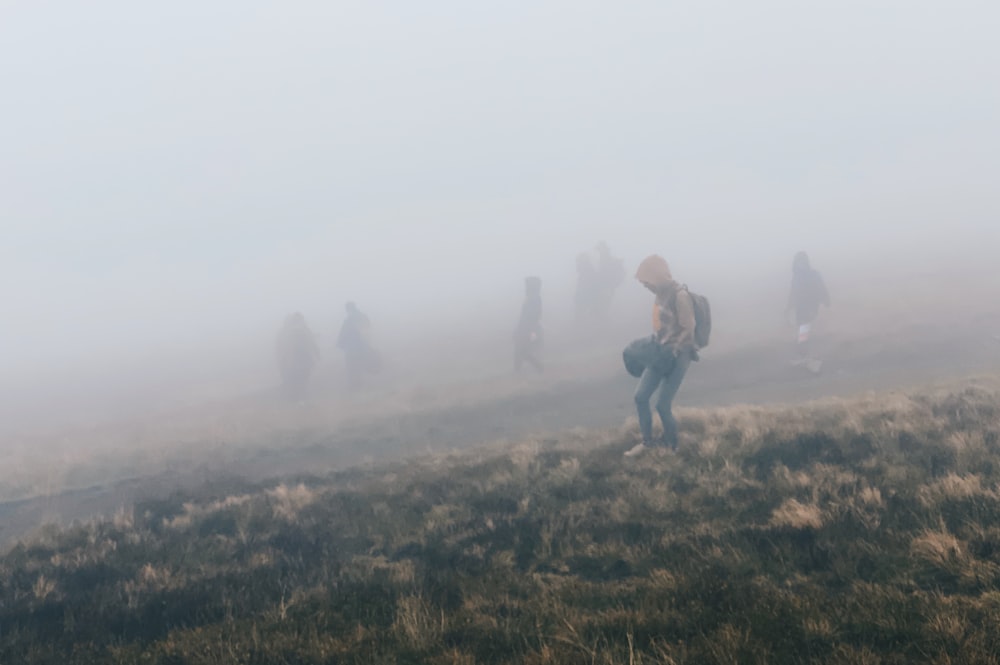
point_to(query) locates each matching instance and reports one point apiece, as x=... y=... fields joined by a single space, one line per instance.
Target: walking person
x=528 y=333
x=674 y=326
x=807 y=294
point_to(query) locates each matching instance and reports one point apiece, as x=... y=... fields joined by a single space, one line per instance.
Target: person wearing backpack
x=675 y=326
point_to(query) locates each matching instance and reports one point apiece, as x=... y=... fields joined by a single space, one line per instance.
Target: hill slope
x=842 y=531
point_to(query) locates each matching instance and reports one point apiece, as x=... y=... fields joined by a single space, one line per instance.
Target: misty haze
x=517 y=333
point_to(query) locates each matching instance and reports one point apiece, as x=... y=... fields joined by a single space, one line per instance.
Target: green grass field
x=860 y=531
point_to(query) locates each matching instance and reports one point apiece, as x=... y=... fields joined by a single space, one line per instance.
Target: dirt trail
x=750 y=375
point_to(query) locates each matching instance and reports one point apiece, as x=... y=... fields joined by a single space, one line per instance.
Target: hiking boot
x=637 y=449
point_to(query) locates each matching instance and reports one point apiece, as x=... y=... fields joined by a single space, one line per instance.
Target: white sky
x=178 y=171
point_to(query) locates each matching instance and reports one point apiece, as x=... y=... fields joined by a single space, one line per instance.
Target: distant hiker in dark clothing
x=355 y=341
x=297 y=355
x=674 y=325
x=528 y=334
x=808 y=293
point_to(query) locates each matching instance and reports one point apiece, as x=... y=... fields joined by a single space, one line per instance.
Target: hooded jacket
x=673 y=311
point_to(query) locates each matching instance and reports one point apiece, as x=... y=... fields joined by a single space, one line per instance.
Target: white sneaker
x=635 y=450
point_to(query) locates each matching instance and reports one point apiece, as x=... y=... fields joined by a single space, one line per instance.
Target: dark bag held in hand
x=648 y=352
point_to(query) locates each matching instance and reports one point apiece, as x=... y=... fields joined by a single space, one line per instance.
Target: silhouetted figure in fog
x=674 y=327
x=355 y=341
x=297 y=354
x=598 y=276
x=528 y=334
x=808 y=293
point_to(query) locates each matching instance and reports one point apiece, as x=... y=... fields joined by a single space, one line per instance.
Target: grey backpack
x=702 y=318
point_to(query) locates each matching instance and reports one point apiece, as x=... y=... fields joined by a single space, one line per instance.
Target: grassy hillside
x=863 y=531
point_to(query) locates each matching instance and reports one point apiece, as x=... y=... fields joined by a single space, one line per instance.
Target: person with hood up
x=528 y=333
x=674 y=327
x=807 y=294
x=297 y=354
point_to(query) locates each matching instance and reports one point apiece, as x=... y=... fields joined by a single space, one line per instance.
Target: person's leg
x=535 y=362
x=805 y=348
x=805 y=332
x=302 y=384
x=534 y=348
x=294 y=383
x=522 y=351
x=664 y=403
x=648 y=383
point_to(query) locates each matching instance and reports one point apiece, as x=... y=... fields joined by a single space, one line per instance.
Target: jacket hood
x=654 y=270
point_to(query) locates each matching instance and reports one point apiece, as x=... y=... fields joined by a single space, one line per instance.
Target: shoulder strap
x=682 y=287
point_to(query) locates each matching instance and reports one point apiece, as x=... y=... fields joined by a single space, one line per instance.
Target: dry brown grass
x=809 y=537
x=797 y=515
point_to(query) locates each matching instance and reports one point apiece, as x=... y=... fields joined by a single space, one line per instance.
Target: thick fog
x=176 y=178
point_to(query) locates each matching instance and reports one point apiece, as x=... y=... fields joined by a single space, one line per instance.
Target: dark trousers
x=526 y=351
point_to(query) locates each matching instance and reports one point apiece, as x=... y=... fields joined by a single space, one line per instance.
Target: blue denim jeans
x=668 y=385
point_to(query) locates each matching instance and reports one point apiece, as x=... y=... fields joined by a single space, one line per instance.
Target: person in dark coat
x=528 y=333
x=807 y=295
